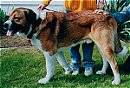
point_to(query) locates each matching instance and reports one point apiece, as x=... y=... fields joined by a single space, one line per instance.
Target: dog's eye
x=18 y=18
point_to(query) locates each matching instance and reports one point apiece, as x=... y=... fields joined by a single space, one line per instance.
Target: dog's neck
x=33 y=25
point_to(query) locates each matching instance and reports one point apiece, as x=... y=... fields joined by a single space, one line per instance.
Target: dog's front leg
x=61 y=59
x=50 y=67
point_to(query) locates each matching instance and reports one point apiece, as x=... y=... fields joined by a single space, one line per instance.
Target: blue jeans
x=87 y=56
x=122 y=16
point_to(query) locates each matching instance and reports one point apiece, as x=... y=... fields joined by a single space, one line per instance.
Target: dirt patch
x=13 y=41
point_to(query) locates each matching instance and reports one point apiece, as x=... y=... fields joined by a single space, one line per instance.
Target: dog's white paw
x=68 y=71
x=116 y=82
x=100 y=72
x=43 y=80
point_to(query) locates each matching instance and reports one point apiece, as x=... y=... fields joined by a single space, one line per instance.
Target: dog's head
x=19 y=21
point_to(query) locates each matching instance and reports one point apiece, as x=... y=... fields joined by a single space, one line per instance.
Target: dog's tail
x=118 y=48
x=124 y=51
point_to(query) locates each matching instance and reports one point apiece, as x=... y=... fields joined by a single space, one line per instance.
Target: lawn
x=23 y=67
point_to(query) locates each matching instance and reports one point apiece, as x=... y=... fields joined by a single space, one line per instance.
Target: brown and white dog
x=59 y=30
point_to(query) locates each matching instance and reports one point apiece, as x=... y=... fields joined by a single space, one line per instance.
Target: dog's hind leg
x=105 y=64
x=103 y=35
x=108 y=53
x=112 y=61
x=50 y=67
x=61 y=59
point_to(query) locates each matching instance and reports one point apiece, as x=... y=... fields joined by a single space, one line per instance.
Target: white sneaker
x=88 y=71
x=75 y=72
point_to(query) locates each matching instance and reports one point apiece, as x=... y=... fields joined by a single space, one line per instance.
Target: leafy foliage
x=114 y=6
x=125 y=32
x=3 y=18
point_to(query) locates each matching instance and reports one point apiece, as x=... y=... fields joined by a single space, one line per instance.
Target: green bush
x=125 y=32
x=3 y=18
x=114 y=6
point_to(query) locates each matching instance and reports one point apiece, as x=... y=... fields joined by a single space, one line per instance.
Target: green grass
x=22 y=68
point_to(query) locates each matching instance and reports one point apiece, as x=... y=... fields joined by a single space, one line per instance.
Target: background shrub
x=3 y=18
x=114 y=6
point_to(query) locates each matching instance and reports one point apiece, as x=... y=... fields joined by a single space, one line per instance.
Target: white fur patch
x=74 y=44
x=116 y=80
x=50 y=67
x=36 y=42
x=23 y=34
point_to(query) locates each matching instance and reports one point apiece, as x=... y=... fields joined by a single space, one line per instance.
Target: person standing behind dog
x=79 y=5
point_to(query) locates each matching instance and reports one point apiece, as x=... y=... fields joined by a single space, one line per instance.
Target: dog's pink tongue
x=9 y=33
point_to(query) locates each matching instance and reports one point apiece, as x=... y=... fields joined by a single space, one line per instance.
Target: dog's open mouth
x=9 y=33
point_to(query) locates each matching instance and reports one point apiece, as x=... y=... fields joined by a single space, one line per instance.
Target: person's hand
x=101 y=4
x=41 y=7
x=44 y=4
x=100 y=11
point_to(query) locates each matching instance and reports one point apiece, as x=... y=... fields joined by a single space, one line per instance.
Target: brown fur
x=98 y=27
x=59 y=30
x=101 y=28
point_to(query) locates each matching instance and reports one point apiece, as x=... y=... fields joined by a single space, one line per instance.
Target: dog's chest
x=36 y=42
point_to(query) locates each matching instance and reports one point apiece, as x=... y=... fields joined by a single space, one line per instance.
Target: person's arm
x=101 y=4
x=44 y=4
x=100 y=7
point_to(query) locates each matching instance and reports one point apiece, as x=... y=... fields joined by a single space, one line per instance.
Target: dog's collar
x=33 y=25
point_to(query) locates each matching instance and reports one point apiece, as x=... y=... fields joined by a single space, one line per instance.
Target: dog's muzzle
x=13 y=28
x=7 y=25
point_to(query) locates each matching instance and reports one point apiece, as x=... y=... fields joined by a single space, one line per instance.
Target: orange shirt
x=78 y=5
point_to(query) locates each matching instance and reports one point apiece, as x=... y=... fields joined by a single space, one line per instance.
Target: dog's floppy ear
x=30 y=16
